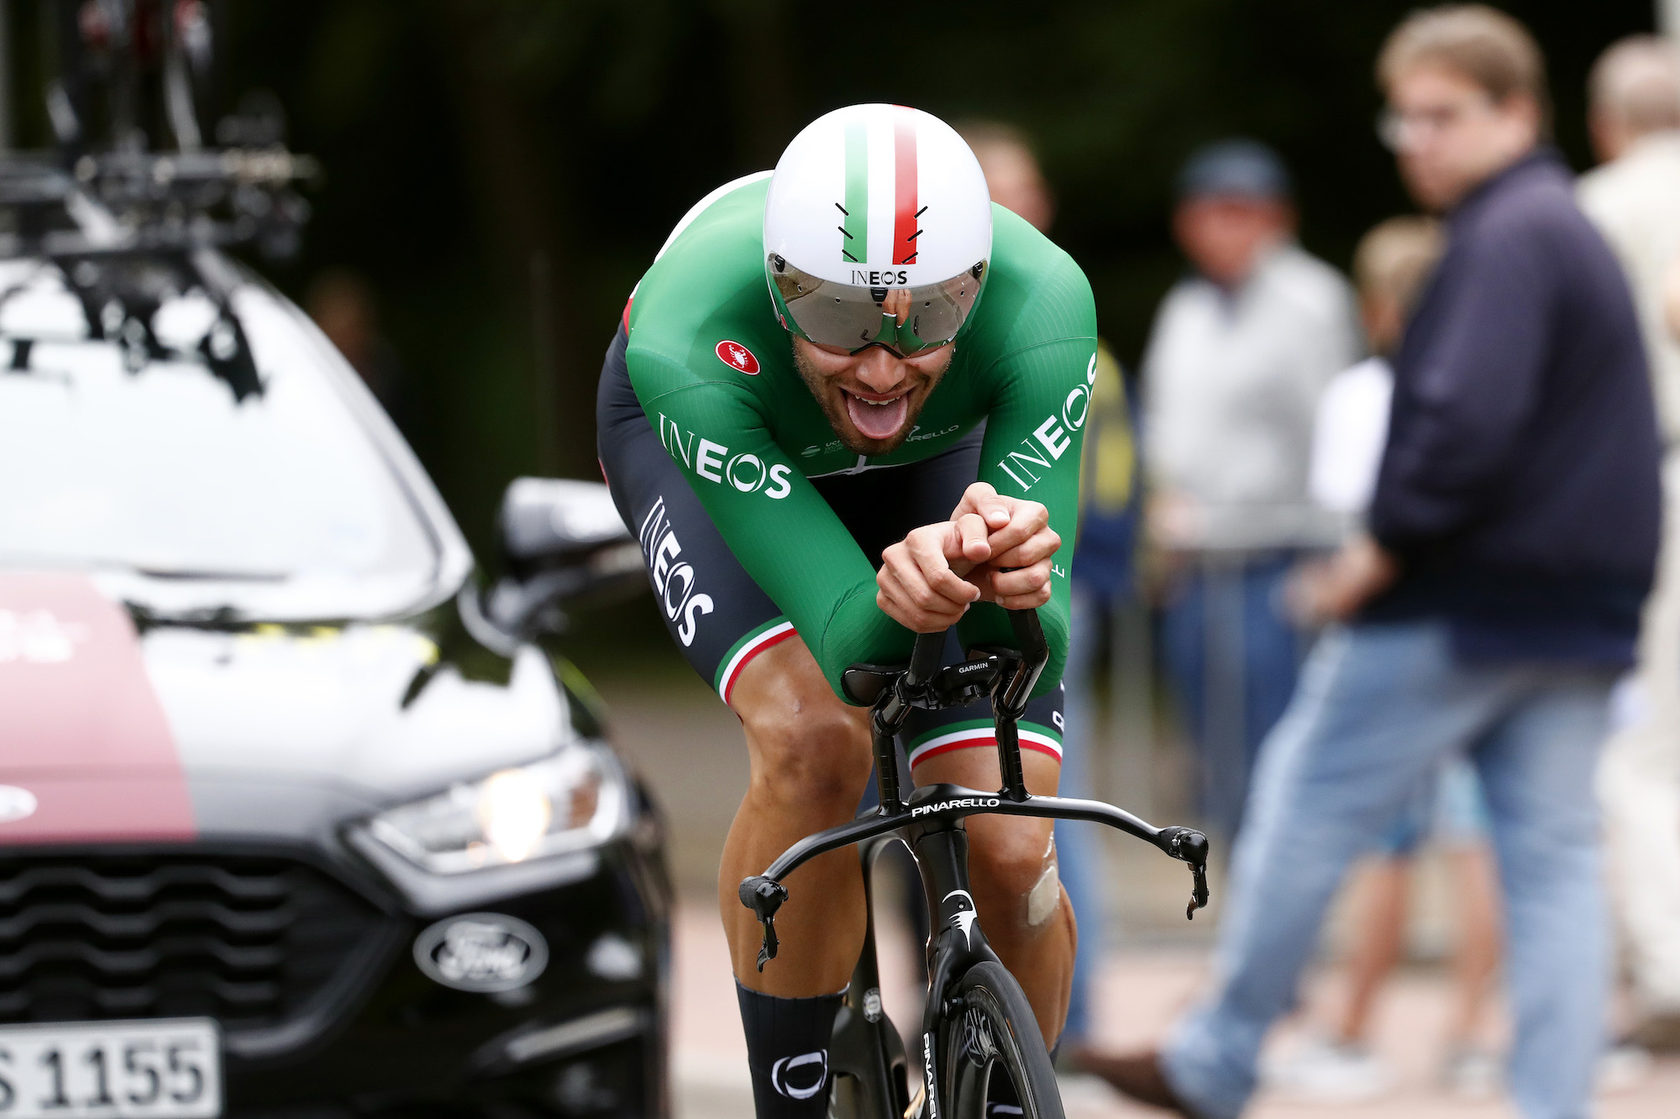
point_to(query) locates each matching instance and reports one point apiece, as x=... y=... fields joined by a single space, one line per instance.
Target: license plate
x=169 y=1069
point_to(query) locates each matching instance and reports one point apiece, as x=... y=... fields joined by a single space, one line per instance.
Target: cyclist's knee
x=1013 y=861
x=808 y=748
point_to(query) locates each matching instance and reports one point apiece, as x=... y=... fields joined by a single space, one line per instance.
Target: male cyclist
x=909 y=392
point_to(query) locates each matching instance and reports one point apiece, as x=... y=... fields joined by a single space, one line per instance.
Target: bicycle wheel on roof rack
x=991 y=1032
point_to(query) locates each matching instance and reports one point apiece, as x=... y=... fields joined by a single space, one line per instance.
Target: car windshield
x=136 y=456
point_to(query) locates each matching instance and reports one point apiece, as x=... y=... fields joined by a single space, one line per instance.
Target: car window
x=139 y=456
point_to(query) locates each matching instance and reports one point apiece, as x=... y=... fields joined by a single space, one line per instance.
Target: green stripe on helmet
x=854 y=238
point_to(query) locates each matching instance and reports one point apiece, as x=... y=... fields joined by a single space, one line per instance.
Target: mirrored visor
x=851 y=317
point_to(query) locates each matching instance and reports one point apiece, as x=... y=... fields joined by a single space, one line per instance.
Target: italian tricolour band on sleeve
x=774 y=632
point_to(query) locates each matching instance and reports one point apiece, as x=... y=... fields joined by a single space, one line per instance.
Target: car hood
x=118 y=727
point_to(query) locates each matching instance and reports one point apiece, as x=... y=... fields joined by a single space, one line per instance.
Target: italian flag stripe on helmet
x=854 y=233
x=904 y=183
x=854 y=229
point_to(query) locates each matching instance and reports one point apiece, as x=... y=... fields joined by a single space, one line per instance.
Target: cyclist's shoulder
x=710 y=264
x=1036 y=292
x=730 y=215
x=701 y=315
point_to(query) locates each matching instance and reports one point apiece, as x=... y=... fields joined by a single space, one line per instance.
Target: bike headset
x=877 y=231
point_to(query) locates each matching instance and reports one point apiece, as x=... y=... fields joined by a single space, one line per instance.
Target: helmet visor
x=851 y=317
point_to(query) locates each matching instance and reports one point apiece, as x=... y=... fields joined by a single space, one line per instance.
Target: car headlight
x=575 y=799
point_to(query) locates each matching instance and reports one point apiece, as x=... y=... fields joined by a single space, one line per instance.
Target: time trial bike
x=976 y=1021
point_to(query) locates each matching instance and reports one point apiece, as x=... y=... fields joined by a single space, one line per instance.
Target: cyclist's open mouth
x=877 y=417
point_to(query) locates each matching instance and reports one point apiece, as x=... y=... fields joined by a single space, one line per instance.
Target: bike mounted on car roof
x=975 y=1018
x=128 y=223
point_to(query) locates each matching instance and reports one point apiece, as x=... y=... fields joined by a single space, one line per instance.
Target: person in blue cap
x=1241 y=348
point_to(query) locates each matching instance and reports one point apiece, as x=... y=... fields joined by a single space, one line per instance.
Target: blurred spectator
x=343 y=305
x=1513 y=536
x=1390 y=267
x=1239 y=353
x=1671 y=301
x=1634 y=107
x=1102 y=571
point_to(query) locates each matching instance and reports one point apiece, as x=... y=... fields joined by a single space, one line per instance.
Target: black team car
x=295 y=818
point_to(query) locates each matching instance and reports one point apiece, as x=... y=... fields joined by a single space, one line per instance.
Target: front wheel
x=991 y=1032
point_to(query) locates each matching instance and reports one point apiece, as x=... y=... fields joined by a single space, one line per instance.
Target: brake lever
x=1189 y=846
x=764 y=896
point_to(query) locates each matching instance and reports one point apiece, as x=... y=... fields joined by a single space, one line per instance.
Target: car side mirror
x=562 y=546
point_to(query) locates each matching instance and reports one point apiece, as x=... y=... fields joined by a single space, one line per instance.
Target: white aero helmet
x=877 y=230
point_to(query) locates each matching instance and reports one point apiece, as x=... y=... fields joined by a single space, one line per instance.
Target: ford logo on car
x=481 y=952
x=16 y=804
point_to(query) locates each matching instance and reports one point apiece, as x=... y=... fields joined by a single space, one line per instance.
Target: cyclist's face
x=873 y=397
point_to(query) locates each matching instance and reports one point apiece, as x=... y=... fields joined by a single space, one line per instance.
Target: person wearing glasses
x=1490 y=605
x=846 y=405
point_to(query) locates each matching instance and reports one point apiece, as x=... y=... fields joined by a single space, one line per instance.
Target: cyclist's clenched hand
x=1018 y=532
x=920 y=585
x=1014 y=572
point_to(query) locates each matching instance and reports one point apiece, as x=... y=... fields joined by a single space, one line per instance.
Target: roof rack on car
x=114 y=222
x=116 y=203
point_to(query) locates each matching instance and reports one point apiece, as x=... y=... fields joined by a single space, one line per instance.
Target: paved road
x=689 y=746
x=1141 y=990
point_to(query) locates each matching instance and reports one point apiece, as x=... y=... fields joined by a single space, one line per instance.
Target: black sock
x=787 y=1051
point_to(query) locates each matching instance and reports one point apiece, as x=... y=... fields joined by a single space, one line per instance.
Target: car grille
x=251 y=940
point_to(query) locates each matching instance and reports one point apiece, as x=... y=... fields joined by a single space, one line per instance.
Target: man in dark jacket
x=1512 y=539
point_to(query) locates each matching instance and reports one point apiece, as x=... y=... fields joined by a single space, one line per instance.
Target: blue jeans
x=1233 y=657
x=1378 y=707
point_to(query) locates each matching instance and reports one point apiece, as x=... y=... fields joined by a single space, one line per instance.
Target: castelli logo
x=737 y=357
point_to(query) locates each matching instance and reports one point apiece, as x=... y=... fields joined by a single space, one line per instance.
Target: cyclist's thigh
x=879 y=507
x=716 y=614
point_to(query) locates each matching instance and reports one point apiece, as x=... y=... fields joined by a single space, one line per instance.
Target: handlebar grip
x=1029 y=635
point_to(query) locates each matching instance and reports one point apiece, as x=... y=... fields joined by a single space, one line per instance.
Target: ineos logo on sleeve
x=1051 y=439
x=715 y=462
x=793 y=1076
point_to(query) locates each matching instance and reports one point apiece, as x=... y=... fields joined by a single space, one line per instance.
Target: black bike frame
x=931 y=821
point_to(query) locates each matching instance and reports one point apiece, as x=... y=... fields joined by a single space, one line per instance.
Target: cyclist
x=911 y=389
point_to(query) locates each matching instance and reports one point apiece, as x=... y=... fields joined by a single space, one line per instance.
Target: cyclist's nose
x=880 y=371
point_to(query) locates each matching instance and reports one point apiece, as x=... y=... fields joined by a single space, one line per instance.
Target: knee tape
x=1046 y=893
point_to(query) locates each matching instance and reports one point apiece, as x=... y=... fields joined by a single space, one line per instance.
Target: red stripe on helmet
x=904 y=190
